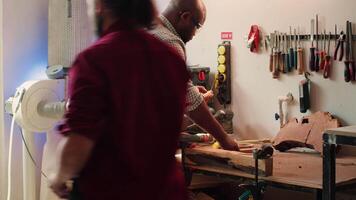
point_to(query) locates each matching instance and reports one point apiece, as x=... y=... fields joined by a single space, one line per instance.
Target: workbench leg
x=318 y=194
x=188 y=174
x=329 y=151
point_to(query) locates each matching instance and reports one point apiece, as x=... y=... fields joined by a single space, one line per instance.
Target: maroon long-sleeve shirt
x=127 y=93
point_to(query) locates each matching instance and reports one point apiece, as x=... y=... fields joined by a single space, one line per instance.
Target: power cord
x=29 y=153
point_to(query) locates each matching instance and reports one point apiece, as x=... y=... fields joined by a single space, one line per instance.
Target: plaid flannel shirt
x=167 y=33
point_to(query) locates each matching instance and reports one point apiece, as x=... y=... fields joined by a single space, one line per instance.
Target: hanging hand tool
x=286 y=56
x=327 y=65
x=283 y=55
x=295 y=50
x=340 y=45
x=351 y=57
x=279 y=57
x=300 y=62
x=271 y=43
x=349 y=73
x=335 y=41
x=317 y=53
x=323 y=50
x=275 y=73
x=312 y=48
x=291 y=51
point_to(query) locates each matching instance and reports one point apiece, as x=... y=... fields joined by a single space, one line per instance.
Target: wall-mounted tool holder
x=308 y=37
x=223 y=77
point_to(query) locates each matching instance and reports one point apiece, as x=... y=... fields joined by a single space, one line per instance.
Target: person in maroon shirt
x=126 y=103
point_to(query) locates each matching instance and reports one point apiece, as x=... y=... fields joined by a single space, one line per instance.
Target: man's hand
x=201 y=89
x=59 y=186
x=208 y=96
x=229 y=144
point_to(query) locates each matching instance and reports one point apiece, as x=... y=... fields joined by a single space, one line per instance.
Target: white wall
x=254 y=98
x=24 y=42
x=2 y=136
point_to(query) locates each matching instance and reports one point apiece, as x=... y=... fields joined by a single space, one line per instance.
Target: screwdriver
x=272 y=41
x=275 y=73
x=286 y=56
x=312 y=48
x=322 y=52
x=291 y=51
x=347 y=74
x=283 y=55
x=301 y=67
x=350 y=60
x=327 y=66
x=295 y=50
x=317 y=56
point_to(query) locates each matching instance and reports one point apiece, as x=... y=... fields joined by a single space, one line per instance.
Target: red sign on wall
x=226 y=35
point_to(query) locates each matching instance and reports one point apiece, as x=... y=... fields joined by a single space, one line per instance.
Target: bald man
x=178 y=24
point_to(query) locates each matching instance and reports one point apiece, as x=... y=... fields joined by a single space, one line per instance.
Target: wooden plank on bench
x=206 y=155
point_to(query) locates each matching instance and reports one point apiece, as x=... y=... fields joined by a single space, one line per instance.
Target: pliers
x=340 y=45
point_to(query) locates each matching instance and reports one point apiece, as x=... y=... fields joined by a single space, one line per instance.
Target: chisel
x=317 y=58
x=275 y=73
x=291 y=50
x=301 y=67
x=286 y=58
x=352 y=60
x=312 y=48
x=327 y=66
x=271 y=43
x=283 y=55
x=323 y=51
x=295 y=50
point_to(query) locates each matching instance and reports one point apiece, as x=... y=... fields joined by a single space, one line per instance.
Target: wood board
x=206 y=155
x=299 y=169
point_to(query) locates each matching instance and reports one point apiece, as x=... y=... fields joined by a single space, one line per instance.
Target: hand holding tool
x=340 y=45
x=312 y=48
x=327 y=65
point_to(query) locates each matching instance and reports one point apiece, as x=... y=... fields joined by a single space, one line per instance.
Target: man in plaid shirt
x=178 y=25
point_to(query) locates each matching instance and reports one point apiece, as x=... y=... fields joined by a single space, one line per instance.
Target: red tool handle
x=327 y=66
x=322 y=60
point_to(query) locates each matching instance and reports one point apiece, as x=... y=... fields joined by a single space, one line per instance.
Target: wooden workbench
x=294 y=169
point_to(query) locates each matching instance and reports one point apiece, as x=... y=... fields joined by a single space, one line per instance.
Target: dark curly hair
x=140 y=12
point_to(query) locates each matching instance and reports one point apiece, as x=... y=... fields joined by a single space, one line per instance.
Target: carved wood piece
x=307 y=132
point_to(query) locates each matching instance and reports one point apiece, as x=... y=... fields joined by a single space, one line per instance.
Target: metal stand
x=331 y=138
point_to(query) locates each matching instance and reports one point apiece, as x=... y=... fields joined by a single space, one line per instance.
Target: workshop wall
x=254 y=92
x=24 y=41
x=2 y=136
